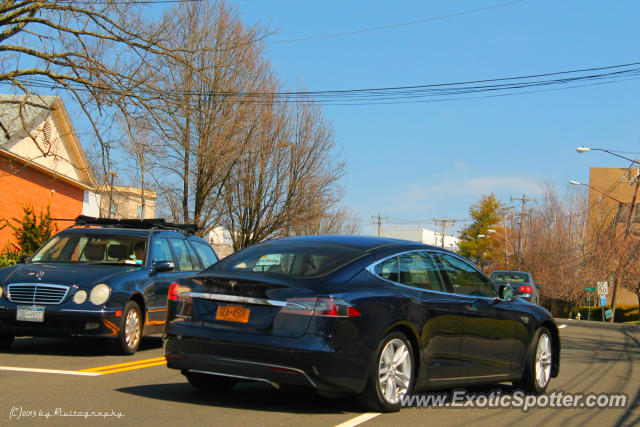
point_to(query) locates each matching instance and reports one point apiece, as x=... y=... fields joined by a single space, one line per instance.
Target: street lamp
x=572 y=182
x=585 y=149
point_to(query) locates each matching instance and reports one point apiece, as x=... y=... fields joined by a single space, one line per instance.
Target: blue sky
x=432 y=160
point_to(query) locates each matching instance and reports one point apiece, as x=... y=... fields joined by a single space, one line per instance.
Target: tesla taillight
x=525 y=289
x=320 y=306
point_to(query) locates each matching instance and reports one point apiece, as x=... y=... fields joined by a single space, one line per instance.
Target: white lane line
x=359 y=419
x=49 y=371
x=562 y=326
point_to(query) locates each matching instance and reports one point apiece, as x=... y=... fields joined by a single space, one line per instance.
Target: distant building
x=610 y=195
x=126 y=202
x=51 y=171
x=220 y=239
x=422 y=235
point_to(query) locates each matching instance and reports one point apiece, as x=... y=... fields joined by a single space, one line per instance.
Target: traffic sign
x=590 y=289
x=603 y=288
x=603 y=300
x=608 y=314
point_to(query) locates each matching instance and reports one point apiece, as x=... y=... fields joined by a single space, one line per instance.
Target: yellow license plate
x=233 y=313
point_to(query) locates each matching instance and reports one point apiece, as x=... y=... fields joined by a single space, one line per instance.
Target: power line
x=503 y=86
x=391 y=26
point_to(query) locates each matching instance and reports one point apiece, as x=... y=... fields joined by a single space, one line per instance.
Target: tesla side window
x=388 y=269
x=465 y=279
x=418 y=269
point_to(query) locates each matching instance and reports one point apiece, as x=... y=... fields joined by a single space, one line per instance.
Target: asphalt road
x=595 y=358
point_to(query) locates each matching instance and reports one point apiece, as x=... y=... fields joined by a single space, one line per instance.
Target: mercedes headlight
x=80 y=297
x=99 y=294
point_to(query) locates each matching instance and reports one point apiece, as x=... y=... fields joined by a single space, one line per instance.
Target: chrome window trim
x=36 y=284
x=372 y=266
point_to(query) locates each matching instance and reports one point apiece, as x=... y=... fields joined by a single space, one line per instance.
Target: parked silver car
x=521 y=282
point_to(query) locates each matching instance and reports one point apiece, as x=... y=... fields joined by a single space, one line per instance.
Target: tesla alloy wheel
x=131 y=329
x=392 y=376
x=537 y=373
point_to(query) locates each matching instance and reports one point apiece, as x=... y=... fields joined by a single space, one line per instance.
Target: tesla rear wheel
x=5 y=341
x=537 y=371
x=130 y=330
x=391 y=377
x=209 y=383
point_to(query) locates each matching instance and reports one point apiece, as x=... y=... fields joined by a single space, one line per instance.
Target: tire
x=130 y=333
x=538 y=363
x=5 y=341
x=209 y=383
x=385 y=389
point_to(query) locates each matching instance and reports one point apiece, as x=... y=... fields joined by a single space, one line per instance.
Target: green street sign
x=590 y=289
x=607 y=314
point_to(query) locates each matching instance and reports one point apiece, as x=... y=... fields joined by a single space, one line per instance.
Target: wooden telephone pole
x=524 y=201
x=444 y=226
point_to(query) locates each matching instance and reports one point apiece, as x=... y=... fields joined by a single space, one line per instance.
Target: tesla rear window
x=289 y=260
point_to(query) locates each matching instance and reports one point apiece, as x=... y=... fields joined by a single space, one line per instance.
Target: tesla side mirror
x=161 y=266
x=24 y=259
x=506 y=292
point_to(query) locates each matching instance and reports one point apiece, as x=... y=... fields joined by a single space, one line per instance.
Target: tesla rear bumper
x=307 y=361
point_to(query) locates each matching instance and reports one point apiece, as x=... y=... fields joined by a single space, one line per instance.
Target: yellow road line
x=118 y=365
x=131 y=368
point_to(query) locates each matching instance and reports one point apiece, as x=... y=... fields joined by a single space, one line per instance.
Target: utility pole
x=379 y=219
x=524 y=201
x=444 y=226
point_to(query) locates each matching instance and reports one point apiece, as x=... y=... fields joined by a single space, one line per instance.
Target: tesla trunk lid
x=250 y=305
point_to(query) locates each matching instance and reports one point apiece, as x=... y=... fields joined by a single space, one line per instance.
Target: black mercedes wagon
x=375 y=317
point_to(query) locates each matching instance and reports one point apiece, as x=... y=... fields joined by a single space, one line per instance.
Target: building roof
x=57 y=151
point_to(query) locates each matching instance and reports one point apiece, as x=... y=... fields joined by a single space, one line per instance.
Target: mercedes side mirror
x=506 y=292
x=161 y=266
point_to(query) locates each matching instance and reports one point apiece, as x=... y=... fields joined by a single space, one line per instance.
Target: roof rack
x=143 y=224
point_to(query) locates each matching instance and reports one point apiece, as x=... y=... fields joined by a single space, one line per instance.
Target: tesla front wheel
x=537 y=370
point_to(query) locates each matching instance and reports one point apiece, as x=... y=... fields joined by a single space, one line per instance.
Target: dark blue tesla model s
x=370 y=316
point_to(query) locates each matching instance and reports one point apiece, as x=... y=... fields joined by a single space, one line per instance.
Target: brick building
x=610 y=195
x=42 y=163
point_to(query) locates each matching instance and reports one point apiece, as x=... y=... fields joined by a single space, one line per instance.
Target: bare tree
x=203 y=122
x=282 y=181
x=555 y=250
x=93 y=52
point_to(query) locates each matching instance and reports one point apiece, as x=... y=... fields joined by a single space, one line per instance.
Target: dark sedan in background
x=100 y=278
x=520 y=281
x=375 y=317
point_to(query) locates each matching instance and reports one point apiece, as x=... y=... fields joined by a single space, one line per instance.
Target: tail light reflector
x=525 y=289
x=320 y=306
